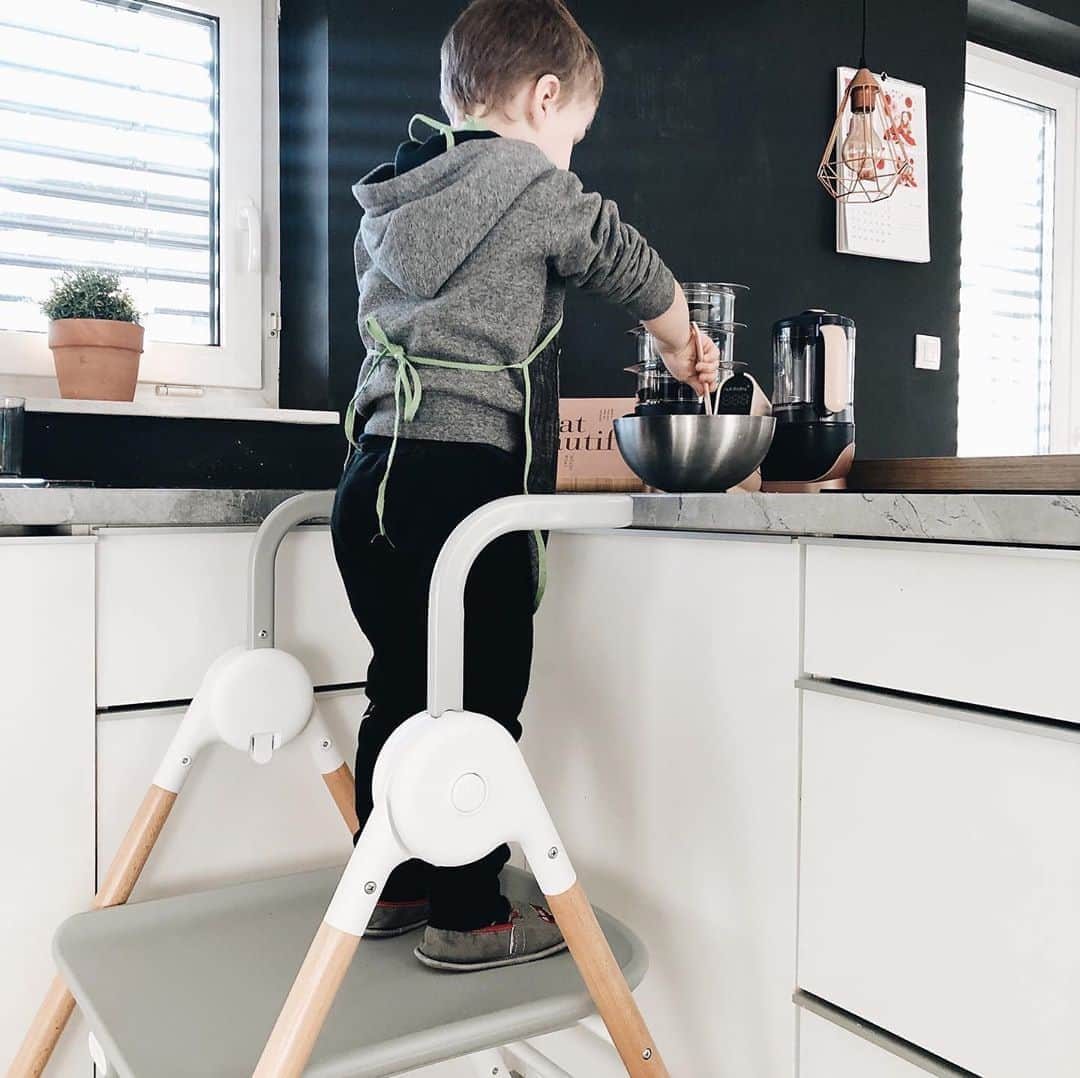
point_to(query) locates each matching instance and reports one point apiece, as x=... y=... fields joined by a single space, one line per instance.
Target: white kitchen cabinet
x=940 y=878
x=980 y=625
x=661 y=727
x=46 y=772
x=827 y=1051
x=234 y=819
x=171 y=600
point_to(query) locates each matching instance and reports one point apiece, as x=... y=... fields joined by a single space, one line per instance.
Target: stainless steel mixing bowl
x=694 y=453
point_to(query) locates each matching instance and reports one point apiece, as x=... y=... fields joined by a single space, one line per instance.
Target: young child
x=467 y=244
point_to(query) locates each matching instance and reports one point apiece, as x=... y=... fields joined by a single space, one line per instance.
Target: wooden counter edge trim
x=575 y=485
x=1053 y=473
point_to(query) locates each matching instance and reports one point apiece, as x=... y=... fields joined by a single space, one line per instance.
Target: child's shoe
x=529 y=934
x=397 y=918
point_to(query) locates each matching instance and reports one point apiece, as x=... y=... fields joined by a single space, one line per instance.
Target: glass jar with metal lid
x=712 y=302
x=658 y=392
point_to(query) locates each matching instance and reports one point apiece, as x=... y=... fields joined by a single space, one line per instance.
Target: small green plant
x=89 y=293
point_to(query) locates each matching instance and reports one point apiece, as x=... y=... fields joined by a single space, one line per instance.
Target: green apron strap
x=436 y=125
x=408 y=393
x=350 y=422
x=471 y=123
x=350 y=411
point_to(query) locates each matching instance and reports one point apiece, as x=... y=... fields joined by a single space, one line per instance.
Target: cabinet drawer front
x=171 y=600
x=827 y=1051
x=967 y=624
x=234 y=820
x=939 y=880
x=688 y=770
x=46 y=773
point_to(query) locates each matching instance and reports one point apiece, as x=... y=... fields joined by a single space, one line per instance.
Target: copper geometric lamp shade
x=867 y=162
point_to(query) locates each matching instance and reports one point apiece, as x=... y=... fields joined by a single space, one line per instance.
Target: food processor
x=712 y=308
x=813 y=403
x=712 y=303
x=658 y=393
x=672 y=441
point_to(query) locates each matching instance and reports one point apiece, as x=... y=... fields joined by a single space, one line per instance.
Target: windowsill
x=182 y=410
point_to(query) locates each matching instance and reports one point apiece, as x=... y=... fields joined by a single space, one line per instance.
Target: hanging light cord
x=862 y=58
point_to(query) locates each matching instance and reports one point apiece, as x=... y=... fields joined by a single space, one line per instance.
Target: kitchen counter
x=82 y=507
x=1015 y=519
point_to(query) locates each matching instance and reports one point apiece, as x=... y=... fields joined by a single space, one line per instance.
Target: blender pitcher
x=813 y=402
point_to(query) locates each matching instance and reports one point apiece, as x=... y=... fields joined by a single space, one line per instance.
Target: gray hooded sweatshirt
x=466 y=257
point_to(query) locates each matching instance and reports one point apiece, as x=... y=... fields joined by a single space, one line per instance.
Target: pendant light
x=868 y=161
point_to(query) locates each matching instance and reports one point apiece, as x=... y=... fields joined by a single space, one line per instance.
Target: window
x=1018 y=390
x=130 y=139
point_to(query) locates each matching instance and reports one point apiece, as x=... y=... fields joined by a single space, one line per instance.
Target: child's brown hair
x=497 y=45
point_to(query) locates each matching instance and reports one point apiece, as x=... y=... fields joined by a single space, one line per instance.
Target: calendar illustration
x=897 y=227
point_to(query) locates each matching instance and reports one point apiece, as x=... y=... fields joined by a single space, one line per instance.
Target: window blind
x=108 y=158
x=1006 y=275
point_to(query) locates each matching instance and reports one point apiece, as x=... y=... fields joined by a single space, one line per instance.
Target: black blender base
x=809 y=457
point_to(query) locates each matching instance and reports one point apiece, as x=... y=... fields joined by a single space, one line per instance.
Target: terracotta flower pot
x=96 y=358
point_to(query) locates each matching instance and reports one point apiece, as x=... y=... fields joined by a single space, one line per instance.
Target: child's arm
x=673 y=334
x=592 y=248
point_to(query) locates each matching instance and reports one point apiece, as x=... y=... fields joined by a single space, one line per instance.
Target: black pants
x=433 y=486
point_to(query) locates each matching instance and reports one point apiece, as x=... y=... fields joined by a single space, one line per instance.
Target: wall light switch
x=927 y=352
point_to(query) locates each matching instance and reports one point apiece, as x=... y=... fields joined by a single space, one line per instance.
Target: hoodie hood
x=419 y=226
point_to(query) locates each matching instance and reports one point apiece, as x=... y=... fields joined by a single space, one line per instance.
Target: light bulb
x=862 y=149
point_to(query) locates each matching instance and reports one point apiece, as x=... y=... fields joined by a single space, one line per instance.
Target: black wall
x=708 y=137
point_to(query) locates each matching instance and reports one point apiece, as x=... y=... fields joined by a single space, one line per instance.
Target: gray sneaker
x=397 y=918
x=529 y=934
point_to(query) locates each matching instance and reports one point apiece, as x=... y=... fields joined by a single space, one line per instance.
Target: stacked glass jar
x=712 y=307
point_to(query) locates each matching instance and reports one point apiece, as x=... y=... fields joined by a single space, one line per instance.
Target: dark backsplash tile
x=153 y=451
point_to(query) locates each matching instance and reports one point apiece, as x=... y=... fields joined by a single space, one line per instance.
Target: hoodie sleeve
x=592 y=248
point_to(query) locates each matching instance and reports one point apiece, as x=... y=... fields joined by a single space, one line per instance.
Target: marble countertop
x=1019 y=519
x=59 y=507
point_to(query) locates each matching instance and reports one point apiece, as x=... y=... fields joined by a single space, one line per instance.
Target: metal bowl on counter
x=687 y=454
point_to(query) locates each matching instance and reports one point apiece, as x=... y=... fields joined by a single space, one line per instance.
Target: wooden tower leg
x=135 y=850
x=308 y=1003
x=44 y=1032
x=55 y=1010
x=342 y=790
x=606 y=984
x=378 y=851
x=130 y=860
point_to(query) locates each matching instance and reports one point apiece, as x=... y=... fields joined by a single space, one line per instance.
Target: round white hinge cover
x=261 y=691
x=469 y=793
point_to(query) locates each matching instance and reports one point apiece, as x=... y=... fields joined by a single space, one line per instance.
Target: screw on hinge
x=264 y=633
x=369 y=888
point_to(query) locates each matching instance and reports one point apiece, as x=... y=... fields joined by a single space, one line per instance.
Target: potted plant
x=95 y=336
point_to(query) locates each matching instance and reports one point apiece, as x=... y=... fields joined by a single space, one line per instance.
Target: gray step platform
x=192 y=985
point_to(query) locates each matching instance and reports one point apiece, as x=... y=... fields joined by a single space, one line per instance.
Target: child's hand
x=683 y=363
